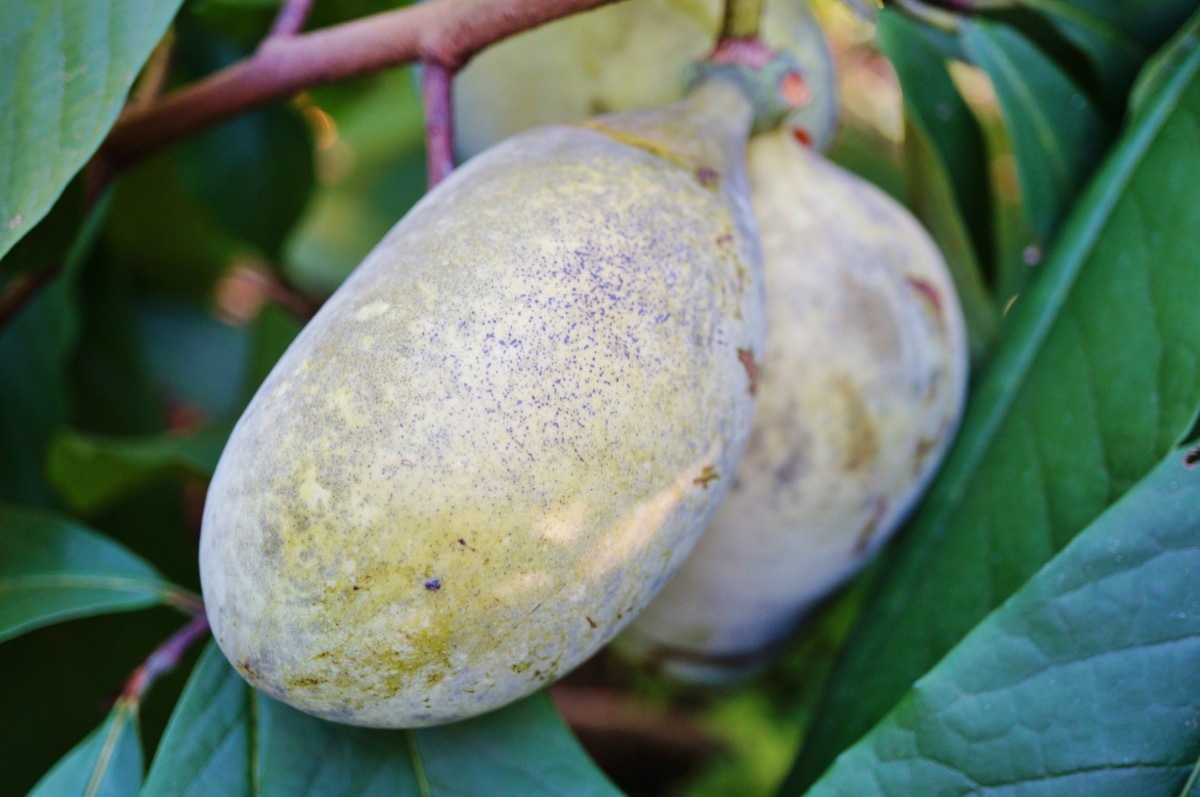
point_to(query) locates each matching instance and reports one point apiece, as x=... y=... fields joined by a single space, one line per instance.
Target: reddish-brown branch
x=436 y=85
x=602 y=713
x=446 y=33
x=165 y=658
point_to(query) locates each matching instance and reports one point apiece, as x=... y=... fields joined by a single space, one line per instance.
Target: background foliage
x=1036 y=627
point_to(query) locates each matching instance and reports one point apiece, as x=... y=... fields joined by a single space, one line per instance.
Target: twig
x=186 y=601
x=154 y=74
x=447 y=33
x=291 y=18
x=165 y=658
x=436 y=83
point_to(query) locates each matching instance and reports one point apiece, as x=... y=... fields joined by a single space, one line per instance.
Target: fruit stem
x=741 y=19
x=165 y=658
x=436 y=86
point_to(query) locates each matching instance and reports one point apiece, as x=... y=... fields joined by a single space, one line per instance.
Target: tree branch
x=291 y=17
x=446 y=33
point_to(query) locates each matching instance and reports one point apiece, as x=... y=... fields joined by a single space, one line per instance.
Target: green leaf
x=1163 y=65
x=35 y=349
x=1148 y=24
x=52 y=570
x=91 y=472
x=65 y=69
x=274 y=330
x=110 y=384
x=1114 y=53
x=164 y=233
x=1095 y=378
x=374 y=160
x=193 y=356
x=522 y=749
x=942 y=117
x=1084 y=682
x=108 y=763
x=255 y=172
x=227 y=739
x=949 y=185
x=46 y=245
x=1056 y=132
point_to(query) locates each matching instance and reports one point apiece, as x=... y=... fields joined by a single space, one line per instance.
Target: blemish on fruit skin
x=929 y=295
x=707 y=475
x=791 y=467
x=863 y=541
x=794 y=90
x=747 y=358
x=925 y=446
x=707 y=177
x=861 y=447
x=433 y=584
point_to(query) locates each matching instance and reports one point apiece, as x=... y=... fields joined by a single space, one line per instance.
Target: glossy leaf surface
x=1084 y=682
x=65 y=68
x=225 y=738
x=1098 y=375
x=52 y=569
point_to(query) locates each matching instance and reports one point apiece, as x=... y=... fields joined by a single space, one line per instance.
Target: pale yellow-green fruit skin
x=493 y=444
x=859 y=392
x=621 y=57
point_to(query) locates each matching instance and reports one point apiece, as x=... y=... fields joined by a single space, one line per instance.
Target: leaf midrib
x=1076 y=242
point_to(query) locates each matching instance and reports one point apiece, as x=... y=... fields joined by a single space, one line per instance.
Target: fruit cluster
x=499 y=440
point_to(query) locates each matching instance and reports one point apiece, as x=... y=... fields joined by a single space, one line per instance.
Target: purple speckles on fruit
x=493 y=428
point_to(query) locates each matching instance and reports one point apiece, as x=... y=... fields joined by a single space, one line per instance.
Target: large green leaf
x=1056 y=132
x=1114 y=52
x=1084 y=682
x=254 y=172
x=35 y=349
x=166 y=235
x=194 y=357
x=274 y=330
x=91 y=472
x=46 y=245
x=108 y=763
x=65 y=68
x=110 y=385
x=949 y=186
x=52 y=570
x=940 y=114
x=1096 y=376
x=1148 y=24
x=227 y=739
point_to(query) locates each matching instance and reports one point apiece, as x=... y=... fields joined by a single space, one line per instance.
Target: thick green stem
x=741 y=19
